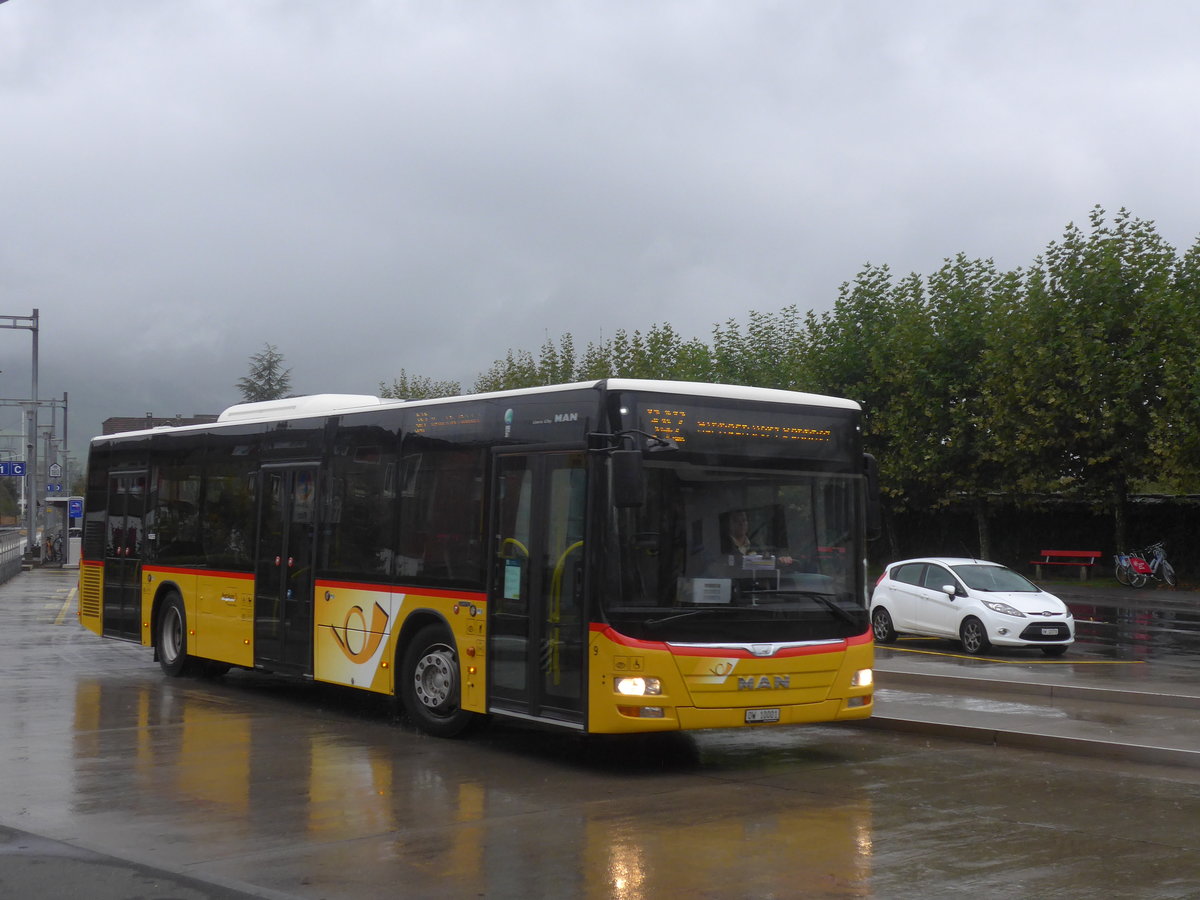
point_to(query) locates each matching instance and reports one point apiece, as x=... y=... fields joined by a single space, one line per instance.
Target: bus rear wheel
x=430 y=687
x=172 y=638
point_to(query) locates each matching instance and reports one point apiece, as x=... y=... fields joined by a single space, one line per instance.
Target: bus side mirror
x=628 y=478
x=874 y=504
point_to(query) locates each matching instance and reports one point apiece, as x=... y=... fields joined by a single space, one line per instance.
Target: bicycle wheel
x=1138 y=579
x=1124 y=574
x=1168 y=573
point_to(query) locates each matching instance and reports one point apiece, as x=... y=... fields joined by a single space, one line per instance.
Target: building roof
x=119 y=424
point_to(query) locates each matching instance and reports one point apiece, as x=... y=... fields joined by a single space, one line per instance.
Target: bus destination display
x=711 y=428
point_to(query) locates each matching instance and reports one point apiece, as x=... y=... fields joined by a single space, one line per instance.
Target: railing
x=12 y=553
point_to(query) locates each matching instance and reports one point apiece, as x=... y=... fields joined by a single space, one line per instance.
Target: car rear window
x=909 y=573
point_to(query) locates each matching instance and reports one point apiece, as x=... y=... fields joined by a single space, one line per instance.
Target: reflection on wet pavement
x=300 y=790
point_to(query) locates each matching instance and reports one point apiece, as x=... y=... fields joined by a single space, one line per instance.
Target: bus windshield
x=736 y=555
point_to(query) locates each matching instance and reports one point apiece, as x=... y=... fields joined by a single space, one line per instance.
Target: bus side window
x=441 y=517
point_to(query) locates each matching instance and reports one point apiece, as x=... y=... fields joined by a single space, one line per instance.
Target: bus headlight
x=637 y=686
x=862 y=678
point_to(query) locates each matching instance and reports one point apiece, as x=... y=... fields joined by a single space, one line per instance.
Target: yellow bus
x=608 y=557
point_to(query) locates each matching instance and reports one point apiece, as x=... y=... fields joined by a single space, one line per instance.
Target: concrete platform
x=1129 y=688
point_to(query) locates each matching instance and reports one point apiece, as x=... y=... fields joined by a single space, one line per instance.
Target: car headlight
x=637 y=686
x=1003 y=608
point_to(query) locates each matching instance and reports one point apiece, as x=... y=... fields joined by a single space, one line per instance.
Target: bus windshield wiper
x=695 y=612
x=832 y=605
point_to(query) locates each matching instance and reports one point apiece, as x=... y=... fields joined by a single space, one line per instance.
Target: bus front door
x=283 y=577
x=123 y=546
x=537 y=626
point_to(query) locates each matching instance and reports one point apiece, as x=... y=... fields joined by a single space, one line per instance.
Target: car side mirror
x=950 y=589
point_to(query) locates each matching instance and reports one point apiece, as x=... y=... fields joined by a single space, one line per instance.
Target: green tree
x=1077 y=391
x=267 y=379
x=941 y=330
x=846 y=352
x=660 y=353
x=517 y=370
x=767 y=353
x=1175 y=439
x=418 y=387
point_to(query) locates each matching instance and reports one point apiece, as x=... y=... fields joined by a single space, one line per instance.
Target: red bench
x=1084 y=559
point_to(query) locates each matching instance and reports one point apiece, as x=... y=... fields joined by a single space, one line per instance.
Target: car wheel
x=881 y=625
x=974 y=636
x=1056 y=650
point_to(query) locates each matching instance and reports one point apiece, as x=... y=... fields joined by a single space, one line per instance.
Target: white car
x=978 y=603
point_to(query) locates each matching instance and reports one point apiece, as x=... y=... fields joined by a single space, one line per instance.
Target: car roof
x=946 y=561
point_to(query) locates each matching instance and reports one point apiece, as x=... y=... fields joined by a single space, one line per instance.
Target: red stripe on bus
x=208 y=573
x=838 y=646
x=473 y=596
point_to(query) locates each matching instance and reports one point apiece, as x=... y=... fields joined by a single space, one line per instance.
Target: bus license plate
x=761 y=715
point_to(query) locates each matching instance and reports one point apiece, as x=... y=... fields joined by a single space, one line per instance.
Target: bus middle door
x=283 y=576
x=124 y=542
x=537 y=626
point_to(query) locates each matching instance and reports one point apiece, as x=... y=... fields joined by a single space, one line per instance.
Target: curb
x=1028 y=740
x=1058 y=691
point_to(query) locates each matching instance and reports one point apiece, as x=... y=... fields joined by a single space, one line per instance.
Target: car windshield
x=994 y=578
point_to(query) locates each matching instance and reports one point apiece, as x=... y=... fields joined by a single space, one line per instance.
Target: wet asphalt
x=1011 y=775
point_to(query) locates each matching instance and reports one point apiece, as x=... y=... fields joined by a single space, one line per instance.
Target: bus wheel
x=172 y=638
x=429 y=684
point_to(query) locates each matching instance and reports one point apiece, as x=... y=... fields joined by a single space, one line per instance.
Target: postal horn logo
x=358 y=641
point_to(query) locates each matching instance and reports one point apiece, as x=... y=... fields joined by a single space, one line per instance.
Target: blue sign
x=12 y=468
x=53 y=488
x=75 y=509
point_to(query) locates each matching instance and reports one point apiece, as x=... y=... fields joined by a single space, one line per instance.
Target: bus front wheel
x=430 y=686
x=172 y=638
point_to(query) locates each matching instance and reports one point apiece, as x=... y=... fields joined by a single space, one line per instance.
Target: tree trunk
x=984 y=528
x=1119 y=523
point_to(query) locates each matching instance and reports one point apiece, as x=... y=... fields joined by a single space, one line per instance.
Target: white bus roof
x=329 y=404
x=288 y=407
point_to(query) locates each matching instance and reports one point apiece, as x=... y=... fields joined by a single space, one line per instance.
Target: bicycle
x=1131 y=570
x=1160 y=569
x=1137 y=568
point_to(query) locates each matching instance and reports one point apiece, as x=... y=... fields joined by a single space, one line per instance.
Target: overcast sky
x=378 y=186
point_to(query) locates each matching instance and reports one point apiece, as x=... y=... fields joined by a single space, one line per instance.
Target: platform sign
x=53 y=488
x=55 y=471
x=12 y=467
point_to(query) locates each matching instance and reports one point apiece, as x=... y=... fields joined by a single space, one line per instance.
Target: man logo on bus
x=764 y=683
x=357 y=641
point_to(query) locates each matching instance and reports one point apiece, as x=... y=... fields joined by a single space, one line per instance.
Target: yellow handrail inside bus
x=555 y=616
x=504 y=545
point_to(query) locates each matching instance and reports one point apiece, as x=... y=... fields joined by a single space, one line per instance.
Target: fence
x=1018 y=532
x=12 y=553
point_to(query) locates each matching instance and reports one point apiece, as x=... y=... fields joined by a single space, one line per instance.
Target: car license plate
x=1049 y=631
x=762 y=715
